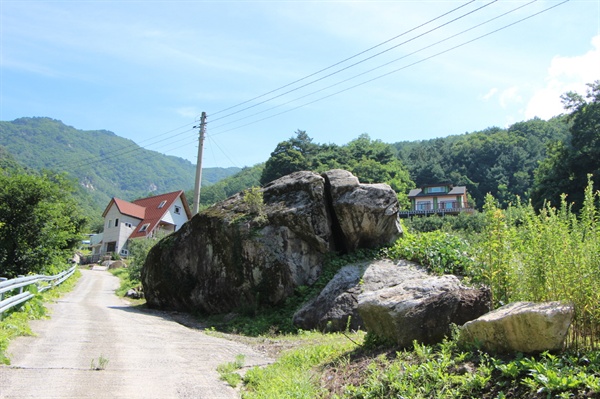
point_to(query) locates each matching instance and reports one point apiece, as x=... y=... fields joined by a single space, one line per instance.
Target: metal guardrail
x=42 y=282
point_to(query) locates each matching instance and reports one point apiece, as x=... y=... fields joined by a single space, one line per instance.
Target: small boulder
x=116 y=265
x=441 y=301
x=521 y=327
x=135 y=293
x=419 y=306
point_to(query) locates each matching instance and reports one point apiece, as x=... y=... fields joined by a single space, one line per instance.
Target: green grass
x=228 y=371
x=333 y=367
x=293 y=374
x=126 y=282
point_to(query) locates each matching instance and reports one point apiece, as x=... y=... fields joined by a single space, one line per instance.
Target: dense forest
x=531 y=160
x=534 y=160
x=498 y=161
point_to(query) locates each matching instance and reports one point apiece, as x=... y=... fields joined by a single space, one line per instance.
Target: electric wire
x=138 y=146
x=344 y=60
x=397 y=70
x=119 y=153
x=376 y=68
x=135 y=147
x=354 y=64
x=123 y=150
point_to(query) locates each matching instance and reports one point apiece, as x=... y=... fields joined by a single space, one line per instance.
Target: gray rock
x=134 y=293
x=338 y=301
x=336 y=307
x=416 y=305
x=233 y=257
x=367 y=214
x=521 y=327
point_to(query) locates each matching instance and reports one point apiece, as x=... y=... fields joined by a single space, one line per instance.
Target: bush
x=440 y=252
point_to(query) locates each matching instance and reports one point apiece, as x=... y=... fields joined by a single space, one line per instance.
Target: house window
x=424 y=205
x=116 y=222
x=439 y=189
x=128 y=225
x=111 y=246
x=109 y=223
x=162 y=204
x=144 y=227
x=178 y=210
x=446 y=205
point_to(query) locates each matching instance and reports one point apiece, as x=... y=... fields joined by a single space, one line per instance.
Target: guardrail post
x=2 y=294
x=20 y=288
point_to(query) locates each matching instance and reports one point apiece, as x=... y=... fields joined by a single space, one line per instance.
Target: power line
x=347 y=59
x=378 y=67
x=117 y=154
x=138 y=146
x=121 y=151
x=396 y=70
x=134 y=147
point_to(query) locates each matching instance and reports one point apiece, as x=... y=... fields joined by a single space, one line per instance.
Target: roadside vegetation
x=15 y=322
x=520 y=254
x=131 y=275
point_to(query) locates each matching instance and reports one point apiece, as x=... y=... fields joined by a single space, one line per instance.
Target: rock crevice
x=230 y=257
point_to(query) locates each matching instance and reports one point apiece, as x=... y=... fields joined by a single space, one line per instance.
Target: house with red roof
x=142 y=218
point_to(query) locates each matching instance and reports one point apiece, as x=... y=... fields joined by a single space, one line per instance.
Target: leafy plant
x=441 y=252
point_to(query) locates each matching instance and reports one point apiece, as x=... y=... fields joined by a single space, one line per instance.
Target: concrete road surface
x=149 y=355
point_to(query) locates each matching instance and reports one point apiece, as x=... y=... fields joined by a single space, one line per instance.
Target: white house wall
x=173 y=218
x=118 y=234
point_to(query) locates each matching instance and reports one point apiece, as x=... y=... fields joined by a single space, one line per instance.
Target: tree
x=569 y=162
x=40 y=223
x=288 y=157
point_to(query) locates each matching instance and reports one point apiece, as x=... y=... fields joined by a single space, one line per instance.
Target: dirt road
x=149 y=355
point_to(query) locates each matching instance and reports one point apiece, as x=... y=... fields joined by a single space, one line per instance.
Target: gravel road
x=149 y=354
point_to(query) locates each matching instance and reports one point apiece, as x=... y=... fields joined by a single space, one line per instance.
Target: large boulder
x=521 y=327
x=436 y=301
x=417 y=306
x=238 y=255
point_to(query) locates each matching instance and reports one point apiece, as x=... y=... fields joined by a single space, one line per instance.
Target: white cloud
x=490 y=94
x=510 y=96
x=565 y=74
x=188 y=112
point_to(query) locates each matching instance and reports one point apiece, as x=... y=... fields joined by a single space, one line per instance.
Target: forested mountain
x=497 y=161
x=534 y=159
x=103 y=164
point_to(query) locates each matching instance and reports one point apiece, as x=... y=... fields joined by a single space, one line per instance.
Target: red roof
x=126 y=208
x=155 y=212
x=148 y=210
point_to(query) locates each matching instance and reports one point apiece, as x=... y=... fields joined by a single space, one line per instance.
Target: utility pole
x=199 y=163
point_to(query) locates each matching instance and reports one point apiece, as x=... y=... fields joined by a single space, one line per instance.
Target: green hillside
x=103 y=164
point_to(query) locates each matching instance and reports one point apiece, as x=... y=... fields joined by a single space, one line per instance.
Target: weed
x=101 y=365
x=228 y=373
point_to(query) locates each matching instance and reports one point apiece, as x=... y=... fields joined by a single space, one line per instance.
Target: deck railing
x=427 y=212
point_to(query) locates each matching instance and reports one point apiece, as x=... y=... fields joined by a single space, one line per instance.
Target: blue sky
x=145 y=70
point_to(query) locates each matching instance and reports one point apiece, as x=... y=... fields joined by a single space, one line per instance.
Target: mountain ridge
x=104 y=164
